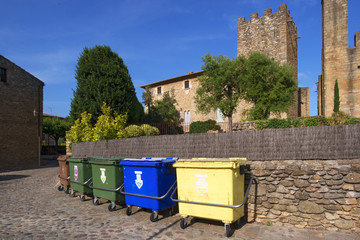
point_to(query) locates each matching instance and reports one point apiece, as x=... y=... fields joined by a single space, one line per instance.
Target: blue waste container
x=147 y=184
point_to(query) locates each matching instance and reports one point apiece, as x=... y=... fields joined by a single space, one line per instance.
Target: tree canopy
x=102 y=76
x=257 y=79
x=55 y=128
x=219 y=86
x=267 y=84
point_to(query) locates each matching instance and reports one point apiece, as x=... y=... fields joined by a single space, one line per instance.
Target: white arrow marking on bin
x=138 y=180
x=103 y=177
x=201 y=184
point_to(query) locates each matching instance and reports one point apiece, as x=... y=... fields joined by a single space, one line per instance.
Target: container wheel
x=128 y=210
x=183 y=223
x=72 y=193
x=96 y=201
x=112 y=207
x=60 y=188
x=67 y=191
x=154 y=216
x=82 y=198
x=227 y=230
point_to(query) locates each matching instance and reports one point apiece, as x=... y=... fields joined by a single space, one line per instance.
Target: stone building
x=21 y=95
x=274 y=34
x=339 y=62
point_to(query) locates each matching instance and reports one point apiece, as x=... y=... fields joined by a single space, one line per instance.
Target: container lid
x=210 y=163
x=104 y=161
x=78 y=159
x=147 y=162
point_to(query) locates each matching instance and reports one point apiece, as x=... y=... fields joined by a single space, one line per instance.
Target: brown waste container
x=64 y=173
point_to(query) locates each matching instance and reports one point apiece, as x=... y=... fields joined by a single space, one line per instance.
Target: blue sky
x=157 y=39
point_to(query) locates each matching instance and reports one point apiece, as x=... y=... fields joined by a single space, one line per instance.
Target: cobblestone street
x=31 y=207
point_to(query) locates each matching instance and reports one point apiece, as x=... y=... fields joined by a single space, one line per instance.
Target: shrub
x=278 y=123
x=297 y=122
x=351 y=121
x=338 y=118
x=150 y=130
x=313 y=122
x=134 y=131
x=260 y=124
x=204 y=126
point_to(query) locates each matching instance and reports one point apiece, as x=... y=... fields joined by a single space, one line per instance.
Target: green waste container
x=107 y=181
x=80 y=176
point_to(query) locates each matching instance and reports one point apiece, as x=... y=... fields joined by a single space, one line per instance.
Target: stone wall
x=21 y=98
x=339 y=62
x=304 y=177
x=316 y=194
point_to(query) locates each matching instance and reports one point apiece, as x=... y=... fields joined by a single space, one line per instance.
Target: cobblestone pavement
x=31 y=207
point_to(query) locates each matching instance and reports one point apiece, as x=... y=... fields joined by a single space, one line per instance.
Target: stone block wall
x=305 y=177
x=339 y=61
x=315 y=194
x=21 y=98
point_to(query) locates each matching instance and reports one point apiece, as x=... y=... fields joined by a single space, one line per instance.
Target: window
x=187 y=84
x=3 y=75
x=187 y=119
x=219 y=116
x=159 y=90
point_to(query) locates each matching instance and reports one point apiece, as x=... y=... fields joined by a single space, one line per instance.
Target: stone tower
x=339 y=62
x=275 y=35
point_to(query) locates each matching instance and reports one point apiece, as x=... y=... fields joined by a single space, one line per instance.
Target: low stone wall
x=317 y=194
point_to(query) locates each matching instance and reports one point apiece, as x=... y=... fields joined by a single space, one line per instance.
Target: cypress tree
x=336 y=97
x=102 y=77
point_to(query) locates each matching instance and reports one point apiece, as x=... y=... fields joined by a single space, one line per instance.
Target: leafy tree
x=268 y=85
x=219 y=86
x=56 y=129
x=336 y=97
x=164 y=110
x=147 y=98
x=101 y=77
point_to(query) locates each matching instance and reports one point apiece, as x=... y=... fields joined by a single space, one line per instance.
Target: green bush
x=313 y=122
x=204 y=126
x=351 y=121
x=150 y=130
x=260 y=124
x=278 y=123
x=297 y=122
x=134 y=131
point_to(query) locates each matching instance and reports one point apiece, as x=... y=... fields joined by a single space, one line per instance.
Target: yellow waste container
x=211 y=188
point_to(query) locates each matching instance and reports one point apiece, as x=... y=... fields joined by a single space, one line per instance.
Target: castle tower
x=339 y=62
x=275 y=35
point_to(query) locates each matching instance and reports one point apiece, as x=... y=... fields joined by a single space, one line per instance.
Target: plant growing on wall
x=219 y=86
x=336 y=97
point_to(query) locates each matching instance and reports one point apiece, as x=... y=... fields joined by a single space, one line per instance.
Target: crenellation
x=267 y=12
x=254 y=16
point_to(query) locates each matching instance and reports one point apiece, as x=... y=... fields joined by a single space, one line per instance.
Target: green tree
x=269 y=85
x=147 y=98
x=219 y=86
x=56 y=129
x=102 y=77
x=336 y=97
x=164 y=110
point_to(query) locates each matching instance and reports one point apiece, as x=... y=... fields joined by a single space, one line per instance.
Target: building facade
x=274 y=34
x=339 y=61
x=21 y=95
